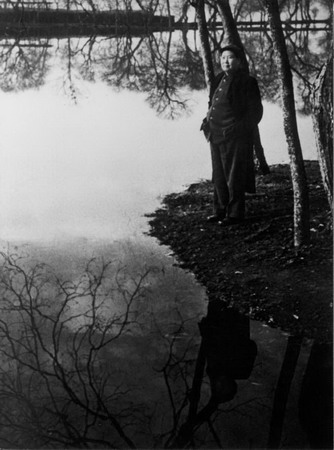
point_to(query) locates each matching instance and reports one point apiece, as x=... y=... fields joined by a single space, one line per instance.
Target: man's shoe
x=215 y=218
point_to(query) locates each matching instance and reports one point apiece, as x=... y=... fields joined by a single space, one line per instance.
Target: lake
x=94 y=168
x=83 y=161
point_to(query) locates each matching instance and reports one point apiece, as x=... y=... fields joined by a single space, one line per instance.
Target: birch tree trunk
x=297 y=168
x=322 y=116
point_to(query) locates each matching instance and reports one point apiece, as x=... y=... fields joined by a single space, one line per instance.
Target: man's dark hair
x=232 y=48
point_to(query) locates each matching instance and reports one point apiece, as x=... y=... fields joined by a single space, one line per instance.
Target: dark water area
x=145 y=366
x=105 y=341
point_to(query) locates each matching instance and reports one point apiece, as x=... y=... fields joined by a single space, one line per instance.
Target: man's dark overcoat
x=245 y=101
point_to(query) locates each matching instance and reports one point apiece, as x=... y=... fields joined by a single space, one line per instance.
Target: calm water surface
x=76 y=181
x=92 y=169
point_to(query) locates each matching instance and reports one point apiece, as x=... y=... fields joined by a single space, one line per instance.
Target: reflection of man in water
x=316 y=396
x=229 y=351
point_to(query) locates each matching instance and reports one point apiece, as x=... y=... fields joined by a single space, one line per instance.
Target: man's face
x=229 y=62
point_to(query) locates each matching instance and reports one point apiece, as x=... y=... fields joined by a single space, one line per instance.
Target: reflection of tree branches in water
x=164 y=90
x=154 y=66
x=86 y=69
x=164 y=67
x=190 y=65
x=177 y=374
x=68 y=82
x=23 y=64
x=57 y=386
x=118 y=59
x=176 y=66
x=63 y=347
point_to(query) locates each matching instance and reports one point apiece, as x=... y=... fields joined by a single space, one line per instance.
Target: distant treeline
x=56 y=23
x=29 y=17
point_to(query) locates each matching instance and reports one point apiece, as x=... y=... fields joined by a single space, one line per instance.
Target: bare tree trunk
x=195 y=392
x=261 y=162
x=187 y=430
x=323 y=125
x=232 y=37
x=298 y=174
x=282 y=390
x=205 y=45
x=195 y=418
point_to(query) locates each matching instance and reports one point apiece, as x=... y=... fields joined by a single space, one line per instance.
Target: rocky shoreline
x=253 y=266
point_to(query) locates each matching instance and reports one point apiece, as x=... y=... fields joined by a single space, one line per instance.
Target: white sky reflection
x=93 y=169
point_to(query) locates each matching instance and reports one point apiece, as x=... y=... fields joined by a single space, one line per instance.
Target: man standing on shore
x=235 y=109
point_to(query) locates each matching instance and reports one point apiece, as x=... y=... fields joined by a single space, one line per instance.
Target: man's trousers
x=230 y=162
